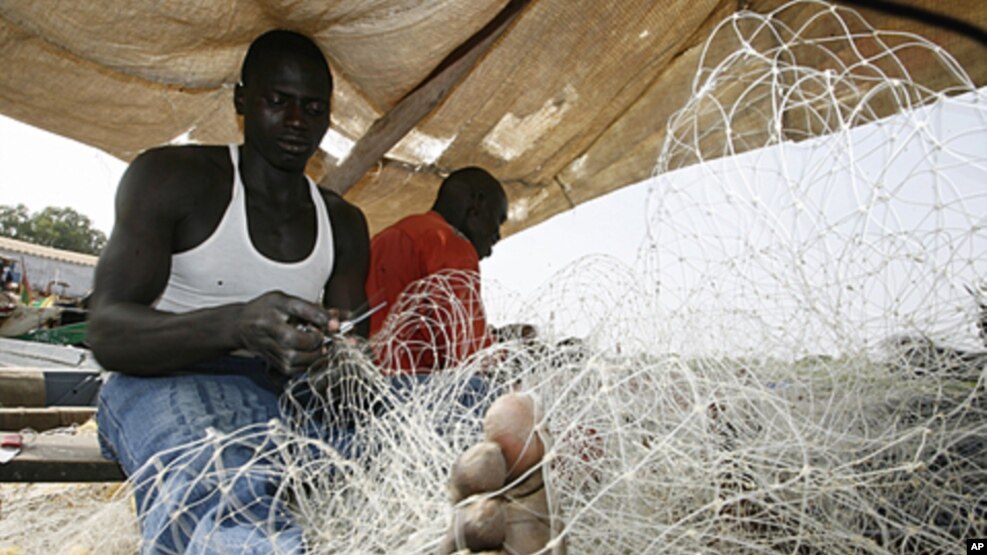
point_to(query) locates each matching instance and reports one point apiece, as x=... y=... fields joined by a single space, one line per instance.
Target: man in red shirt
x=426 y=267
x=439 y=321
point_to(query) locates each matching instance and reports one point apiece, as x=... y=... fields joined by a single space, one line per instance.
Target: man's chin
x=292 y=162
x=284 y=160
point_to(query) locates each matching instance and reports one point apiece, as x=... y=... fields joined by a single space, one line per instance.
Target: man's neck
x=448 y=220
x=272 y=184
x=450 y=224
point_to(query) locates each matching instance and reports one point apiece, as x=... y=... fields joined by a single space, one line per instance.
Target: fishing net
x=792 y=367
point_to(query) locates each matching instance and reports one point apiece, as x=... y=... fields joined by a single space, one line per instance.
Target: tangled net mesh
x=793 y=366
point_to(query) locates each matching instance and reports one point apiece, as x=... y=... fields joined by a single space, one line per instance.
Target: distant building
x=67 y=273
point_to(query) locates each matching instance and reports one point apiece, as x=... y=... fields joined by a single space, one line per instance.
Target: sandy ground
x=67 y=518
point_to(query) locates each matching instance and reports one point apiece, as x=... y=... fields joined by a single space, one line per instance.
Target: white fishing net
x=794 y=367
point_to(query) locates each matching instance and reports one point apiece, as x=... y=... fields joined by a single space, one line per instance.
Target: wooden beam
x=61 y=458
x=927 y=16
x=413 y=108
x=41 y=387
x=42 y=419
x=22 y=387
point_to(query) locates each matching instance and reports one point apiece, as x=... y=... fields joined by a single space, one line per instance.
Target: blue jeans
x=202 y=497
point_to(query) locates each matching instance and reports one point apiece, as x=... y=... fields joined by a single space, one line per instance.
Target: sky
x=40 y=169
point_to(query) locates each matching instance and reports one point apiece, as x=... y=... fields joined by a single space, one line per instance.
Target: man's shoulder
x=427 y=230
x=183 y=165
x=176 y=178
x=416 y=224
x=181 y=157
x=334 y=200
x=341 y=209
x=186 y=153
x=407 y=228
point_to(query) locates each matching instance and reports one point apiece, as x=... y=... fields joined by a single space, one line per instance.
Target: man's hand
x=345 y=375
x=335 y=318
x=519 y=520
x=286 y=331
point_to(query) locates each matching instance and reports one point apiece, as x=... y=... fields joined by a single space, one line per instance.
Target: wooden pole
x=416 y=105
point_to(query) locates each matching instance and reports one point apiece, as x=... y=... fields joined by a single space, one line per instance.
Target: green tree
x=61 y=228
x=14 y=221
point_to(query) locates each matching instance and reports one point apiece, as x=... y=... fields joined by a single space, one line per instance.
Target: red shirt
x=439 y=322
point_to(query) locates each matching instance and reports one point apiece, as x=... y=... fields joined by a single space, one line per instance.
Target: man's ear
x=238 y=101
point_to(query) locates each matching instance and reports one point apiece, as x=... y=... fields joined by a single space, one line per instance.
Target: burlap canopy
x=567 y=103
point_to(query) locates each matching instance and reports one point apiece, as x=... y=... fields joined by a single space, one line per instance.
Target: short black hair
x=471 y=180
x=280 y=41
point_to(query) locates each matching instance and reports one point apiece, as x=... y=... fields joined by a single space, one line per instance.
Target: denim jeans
x=202 y=497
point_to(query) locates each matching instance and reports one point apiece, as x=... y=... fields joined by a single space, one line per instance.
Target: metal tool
x=348 y=325
x=10 y=446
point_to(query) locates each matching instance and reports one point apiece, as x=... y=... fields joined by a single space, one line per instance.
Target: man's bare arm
x=345 y=289
x=129 y=336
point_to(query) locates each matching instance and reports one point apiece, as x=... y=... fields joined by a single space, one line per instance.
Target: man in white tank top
x=219 y=251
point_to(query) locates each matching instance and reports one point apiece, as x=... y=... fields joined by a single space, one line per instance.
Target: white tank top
x=226 y=268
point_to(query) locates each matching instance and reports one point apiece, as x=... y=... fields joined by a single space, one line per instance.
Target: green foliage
x=14 y=221
x=61 y=228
